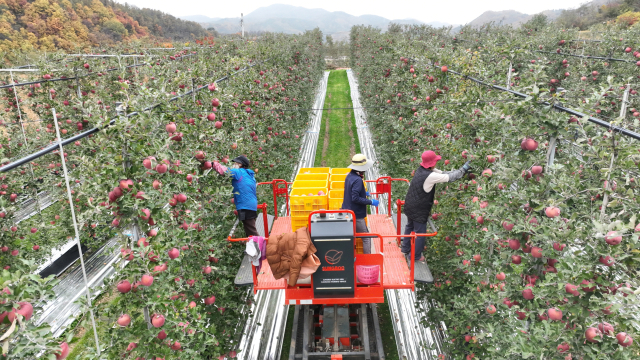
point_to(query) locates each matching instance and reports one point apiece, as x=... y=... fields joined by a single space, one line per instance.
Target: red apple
x=124 y=286
x=571 y=289
x=174 y=253
x=606 y=328
x=563 y=348
x=157 y=320
x=529 y=144
x=146 y=280
x=555 y=314
x=514 y=244
x=491 y=309
x=558 y=246
x=536 y=252
x=124 y=320
x=210 y=300
x=527 y=293
x=624 y=339
x=593 y=335
x=63 y=352
x=612 y=238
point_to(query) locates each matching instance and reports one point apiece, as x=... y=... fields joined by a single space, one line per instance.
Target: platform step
x=244 y=277
x=422 y=274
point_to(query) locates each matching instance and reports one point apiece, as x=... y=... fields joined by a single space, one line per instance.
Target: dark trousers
x=418 y=228
x=250 y=227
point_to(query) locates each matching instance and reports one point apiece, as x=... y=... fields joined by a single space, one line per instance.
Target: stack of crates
x=336 y=186
x=309 y=192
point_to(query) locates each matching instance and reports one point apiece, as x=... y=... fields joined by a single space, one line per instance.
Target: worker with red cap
x=420 y=196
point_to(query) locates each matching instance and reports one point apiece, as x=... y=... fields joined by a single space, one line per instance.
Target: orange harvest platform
x=343 y=282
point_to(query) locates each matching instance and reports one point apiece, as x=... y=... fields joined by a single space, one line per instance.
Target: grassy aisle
x=338 y=140
x=337 y=143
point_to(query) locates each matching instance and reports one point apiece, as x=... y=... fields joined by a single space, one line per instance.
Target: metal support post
x=24 y=137
x=75 y=227
x=193 y=89
x=509 y=77
x=551 y=153
x=605 y=198
x=78 y=85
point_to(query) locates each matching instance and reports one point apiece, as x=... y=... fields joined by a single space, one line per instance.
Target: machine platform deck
x=396 y=271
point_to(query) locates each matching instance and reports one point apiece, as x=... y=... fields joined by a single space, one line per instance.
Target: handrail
x=265 y=219
x=274 y=187
x=385 y=189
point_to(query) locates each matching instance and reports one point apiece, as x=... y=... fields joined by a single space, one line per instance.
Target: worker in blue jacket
x=244 y=192
x=355 y=196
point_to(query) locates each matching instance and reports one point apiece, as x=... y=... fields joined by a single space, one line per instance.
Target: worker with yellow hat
x=355 y=196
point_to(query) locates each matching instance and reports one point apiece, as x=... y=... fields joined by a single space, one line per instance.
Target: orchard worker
x=420 y=196
x=244 y=192
x=355 y=196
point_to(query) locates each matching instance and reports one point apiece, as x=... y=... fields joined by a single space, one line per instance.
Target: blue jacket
x=355 y=195
x=244 y=189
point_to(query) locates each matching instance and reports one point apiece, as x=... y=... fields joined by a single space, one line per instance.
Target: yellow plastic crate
x=359 y=246
x=314 y=170
x=335 y=199
x=299 y=221
x=340 y=171
x=299 y=197
x=298 y=184
x=302 y=210
x=324 y=177
x=336 y=185
x=337 y=177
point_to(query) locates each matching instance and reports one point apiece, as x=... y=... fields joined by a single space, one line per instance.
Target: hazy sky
x=453 y=12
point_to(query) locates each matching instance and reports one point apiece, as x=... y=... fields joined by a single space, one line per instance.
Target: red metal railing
x=383 y=186
x=279 y=191
x=413 y=237
x=265 y=220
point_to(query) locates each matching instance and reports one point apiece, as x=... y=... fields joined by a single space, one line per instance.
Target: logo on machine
x=333 y=256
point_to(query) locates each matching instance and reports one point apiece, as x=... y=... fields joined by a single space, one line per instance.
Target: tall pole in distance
x=242 y=24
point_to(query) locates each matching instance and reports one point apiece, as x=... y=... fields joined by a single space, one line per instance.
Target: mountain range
x=295 y=19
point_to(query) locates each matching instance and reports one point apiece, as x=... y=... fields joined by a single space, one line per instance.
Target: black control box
x=332 y=234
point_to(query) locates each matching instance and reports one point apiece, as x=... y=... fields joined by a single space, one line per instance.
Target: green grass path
x=338 y=138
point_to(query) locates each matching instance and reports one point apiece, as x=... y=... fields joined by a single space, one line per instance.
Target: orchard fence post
x=75 y=227
x=24 y=137
x=605 y=198
x=509 y=76
x=78 y=85
x=551 y=152
x=193 y=89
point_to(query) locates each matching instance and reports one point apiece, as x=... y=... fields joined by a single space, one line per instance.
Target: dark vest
x=417 y=203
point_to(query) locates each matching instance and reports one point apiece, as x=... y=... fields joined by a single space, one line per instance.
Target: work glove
x=466 y=167
x=375 y=202
x=368 y=194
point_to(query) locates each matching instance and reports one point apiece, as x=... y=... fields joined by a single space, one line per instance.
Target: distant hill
x=80 y=24
x=295 y=19
x=510 y=17
x=583 y=16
